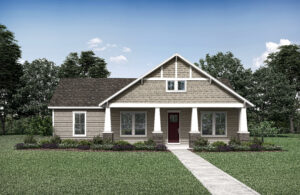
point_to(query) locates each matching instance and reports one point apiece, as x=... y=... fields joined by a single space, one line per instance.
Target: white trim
x=79 y=112
x=176 y=85
x=52 y=118
x=175 y=79
x=176 y=65
x=179 y=105
x=194 y=66
x=243 y=126
x=161 y=72
x=133 y=124
x=194 y=121
x=107 y=121
x=191 y=72
x=74 y=107
x=214 y=123
x=157 y=121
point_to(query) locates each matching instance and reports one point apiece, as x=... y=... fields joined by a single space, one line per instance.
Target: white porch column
x=243 y=126
x=194 y=121
x=157 y=124
x=107 y=122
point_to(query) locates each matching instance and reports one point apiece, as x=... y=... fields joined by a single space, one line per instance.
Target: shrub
x=83 y=147
x=201 y=142
x=240 y=147
x=150 y=142
x=218 y=143
x=19 y=146
x=29 y=139
x=50 y=146
x=38 y=125
x=257 y=141
x=55 y=139
x=123 y=147
x=255 y=147
x=160 y=147
x=234 y=141
x=122 y=143
x=224 y=148
x=84 y=143
x=208 y=148
x=143 y=146
x=69 y=142
x=97 y=140
x=265 y=128
x=44 y=141
x=272 y=148
x=102 y=147
x=108 y=141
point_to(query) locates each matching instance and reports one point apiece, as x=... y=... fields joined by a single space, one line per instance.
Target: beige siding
x=155 y=92
x=169 y=69
x=154 y=74
x=115 y=121
x=63 y=123
x=183 y=70
x=197 y=74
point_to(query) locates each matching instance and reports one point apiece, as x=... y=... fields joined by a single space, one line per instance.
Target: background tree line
x=26 y=89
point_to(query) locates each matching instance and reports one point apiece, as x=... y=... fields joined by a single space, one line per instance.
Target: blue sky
x=135 y=36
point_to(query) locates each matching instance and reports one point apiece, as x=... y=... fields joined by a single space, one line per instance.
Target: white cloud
x=118 y=59
x=111 y=45
x=271 y=47
x=126 y=49
x=93 y=43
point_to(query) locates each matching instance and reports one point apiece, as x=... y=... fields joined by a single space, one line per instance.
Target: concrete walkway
x=214 y=179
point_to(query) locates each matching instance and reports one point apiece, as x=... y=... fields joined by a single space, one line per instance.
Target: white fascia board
x=217 y=81
x=176 y=79
x=159 y=105
x=75 y=107
x=135 y=81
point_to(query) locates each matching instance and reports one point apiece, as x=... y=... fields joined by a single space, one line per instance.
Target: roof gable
x=193 y=67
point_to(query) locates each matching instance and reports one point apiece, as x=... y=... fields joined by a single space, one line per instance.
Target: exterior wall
x=154 y=91
x=196 y=74
x=63 y=123
x=183 y=70
x=115 y=124
x=155 y=74
x=169 y=69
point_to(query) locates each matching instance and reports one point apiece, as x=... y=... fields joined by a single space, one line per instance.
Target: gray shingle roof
x=86 y=91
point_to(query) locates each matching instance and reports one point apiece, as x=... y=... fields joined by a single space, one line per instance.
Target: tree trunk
x=3 y=124
x=292 y=129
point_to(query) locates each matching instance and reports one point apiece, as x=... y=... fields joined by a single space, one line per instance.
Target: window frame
x=214 y=123
x=176 y=85
x=79 y=112
x=133 y=124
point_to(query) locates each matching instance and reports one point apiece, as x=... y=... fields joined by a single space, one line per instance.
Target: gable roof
x=218 y=82
x=86 y=92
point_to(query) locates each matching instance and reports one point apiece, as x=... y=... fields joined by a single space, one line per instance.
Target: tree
x=39 y=81
x=10 y=72
x=71 y=67
x=227 y=66
x=287 y=62
x=88 y=65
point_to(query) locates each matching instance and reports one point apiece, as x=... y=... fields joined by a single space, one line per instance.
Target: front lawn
x=69 y=172
x=265 y=172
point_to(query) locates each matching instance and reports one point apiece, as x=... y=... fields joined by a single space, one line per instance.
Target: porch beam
x=107 y=122
x=168 y=105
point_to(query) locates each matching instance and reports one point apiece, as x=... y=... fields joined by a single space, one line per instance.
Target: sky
x=135 y=36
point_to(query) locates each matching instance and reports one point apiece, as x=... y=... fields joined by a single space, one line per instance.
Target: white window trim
x=133 y=124
x=79 y=112
x=176 y=85
x=214 y=123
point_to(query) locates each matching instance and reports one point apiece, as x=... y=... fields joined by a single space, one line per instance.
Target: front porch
x=177 y=126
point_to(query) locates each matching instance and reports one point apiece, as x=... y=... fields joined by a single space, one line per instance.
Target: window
x=176 y=86
x=213 y=123
x=79 y=123
x=133 y=124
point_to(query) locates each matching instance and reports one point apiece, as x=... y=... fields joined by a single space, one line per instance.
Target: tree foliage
x=225 y=65
x=39 y=81
x=10 y=72
x=88 y=65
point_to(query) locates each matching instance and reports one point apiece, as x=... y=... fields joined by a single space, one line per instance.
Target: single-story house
x=175 y=102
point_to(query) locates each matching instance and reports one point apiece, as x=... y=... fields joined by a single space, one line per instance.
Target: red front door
x=173 y=127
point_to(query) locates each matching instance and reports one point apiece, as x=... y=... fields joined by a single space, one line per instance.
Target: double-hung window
x=176 y=86
x=79 y=123
x=213 y=123
x=133 y=124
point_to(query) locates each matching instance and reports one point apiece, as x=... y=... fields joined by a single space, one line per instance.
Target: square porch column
x=157 y=134
x=243 y=133
x=194 y=133
x=107 y=133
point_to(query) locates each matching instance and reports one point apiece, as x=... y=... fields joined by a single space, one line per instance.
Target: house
x=176 y=102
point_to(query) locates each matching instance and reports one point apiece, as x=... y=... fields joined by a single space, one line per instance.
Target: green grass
x=265 y=172
x=69 y=172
